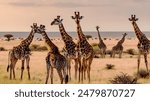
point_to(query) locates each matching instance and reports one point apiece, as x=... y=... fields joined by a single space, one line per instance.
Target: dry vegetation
x=103 y=70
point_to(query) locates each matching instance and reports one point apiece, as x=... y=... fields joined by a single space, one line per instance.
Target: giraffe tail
x=8 y=62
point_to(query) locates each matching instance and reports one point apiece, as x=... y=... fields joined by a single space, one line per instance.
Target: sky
x=110 y=15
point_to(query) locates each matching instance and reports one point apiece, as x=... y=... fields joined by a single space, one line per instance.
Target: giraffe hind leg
x=60 y=75
x=12 y=68
x=48 y=69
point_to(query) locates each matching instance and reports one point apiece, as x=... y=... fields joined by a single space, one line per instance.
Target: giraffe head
x=97 y=27
x=57 y=21
x=77 y=17
x=124 y=34
x=133 y=18
x=41 y=29
x=35 y=28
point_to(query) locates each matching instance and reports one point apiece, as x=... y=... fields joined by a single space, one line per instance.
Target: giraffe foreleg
x=22 y=69
x=139 y=58
x=28 y=67
x=76 y=68
x=48 y=69
x=69 y=66
x=146 y=62
x=120 y=54
x=80 y=67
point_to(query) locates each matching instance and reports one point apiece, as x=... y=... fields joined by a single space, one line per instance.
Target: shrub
x=123 y=79
x=2 y=49
x=131 y=51
x=109 y=66
x=36 y=47
x=88 y=36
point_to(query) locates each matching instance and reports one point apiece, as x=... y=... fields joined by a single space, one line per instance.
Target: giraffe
x=86 y=50
x=144 y=43
x=118 y=48
x=70 y=46
x=54 y=59
x=21 y=52
x=101 y=44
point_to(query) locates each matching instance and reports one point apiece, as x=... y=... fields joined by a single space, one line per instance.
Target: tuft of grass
x=123 y=79
x=143 y=74
x=109 y=66
x=131 y=52
x=35 y=47
x=2 y=49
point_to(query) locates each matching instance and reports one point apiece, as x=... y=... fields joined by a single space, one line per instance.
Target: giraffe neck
x=80 y=33
x=99 y=36
x=29 y=39
x=50 y=45
x=122 y=40
x=138 y=32
x=64 y=34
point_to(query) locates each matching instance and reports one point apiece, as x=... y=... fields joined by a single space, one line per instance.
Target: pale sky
x=110 y=15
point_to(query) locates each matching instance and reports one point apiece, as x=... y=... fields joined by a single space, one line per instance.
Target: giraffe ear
x=61 y=20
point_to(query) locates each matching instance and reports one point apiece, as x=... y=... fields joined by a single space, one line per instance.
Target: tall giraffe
x=118 y=48
x=101 y=44
x=54 y=59
x=86 y=49
x=70 y=46
x=144 y=43
x=21 y=52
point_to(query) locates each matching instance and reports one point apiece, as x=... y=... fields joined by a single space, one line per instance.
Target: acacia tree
x=8 y=36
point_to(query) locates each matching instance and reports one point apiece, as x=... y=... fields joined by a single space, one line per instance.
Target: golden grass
x=99 y=75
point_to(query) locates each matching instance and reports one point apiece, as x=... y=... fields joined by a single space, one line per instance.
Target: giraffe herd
x=81 y=52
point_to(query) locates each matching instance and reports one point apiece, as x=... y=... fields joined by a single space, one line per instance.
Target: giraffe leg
x=85 y=68
x=76 y=68
x=69 y=67
x=60 y=75
x=146 y=62
x=120 y=54
x=89 y=68
x=22 y=69
x=80 y=66
x=13 y=69
x=51 y=75
x=48 y=69
x=82 y=69
x=139 y=57
x=28 y=67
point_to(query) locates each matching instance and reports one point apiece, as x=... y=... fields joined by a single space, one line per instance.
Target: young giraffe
x=101 y=44
x=118 y=48
x=86 y=49
x=21 y=52
x=70 y=46
x=144 y=43
x=54 y=59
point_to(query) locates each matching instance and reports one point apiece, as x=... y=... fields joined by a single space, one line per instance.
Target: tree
x=8 y=36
